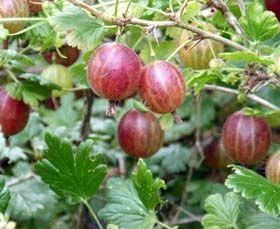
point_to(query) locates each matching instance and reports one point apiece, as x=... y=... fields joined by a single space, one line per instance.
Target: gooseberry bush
x=139 y=114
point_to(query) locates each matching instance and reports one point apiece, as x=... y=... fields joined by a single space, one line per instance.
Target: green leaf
x=140 y=106
x=247 y=57
x=11 y=153
x=112 y=226
x=69 y=174
x=193 y=9
x=207 y=112
x=6 y=56
x=4 y=195
x=33 y=128
x=58 y=118
x=199 y=79
x=42 y=37
x=162 y=51
x=253 y=186
x=32 y=89
x=179 y=131
x=79 y=73
x=176 y=153
x=148 y=189
x=3 y=32
x=273 y=117
x=259 y=25
x=83 y=32
x=166 y=121
x=30 y=198
x=124 y=207
x=223 y=211
x=261 y=221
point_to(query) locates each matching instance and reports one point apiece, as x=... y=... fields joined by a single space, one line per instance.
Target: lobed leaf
x=253 y=186
x=69 y=174
x=223 y=211
x=247 y=57
x=261 y=221
x=147 y=188
x=32 y=89
x=83 y=32
x=124 y=207
x=259 y=25
x=4 y=195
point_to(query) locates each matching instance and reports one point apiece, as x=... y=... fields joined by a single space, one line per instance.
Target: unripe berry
x=272 y=169
x=200 y=55
x=59 y=75
x=216 y=63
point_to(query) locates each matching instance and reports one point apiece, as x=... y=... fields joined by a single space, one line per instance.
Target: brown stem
x=20 y=179
x=183 y=7
x=198 y=130
x=184 y=195
x=6 y=44
x=231 y=19
x=136 y=21
x=84 y=218
x=87 y=115
x=242 y=7
x=236 y=92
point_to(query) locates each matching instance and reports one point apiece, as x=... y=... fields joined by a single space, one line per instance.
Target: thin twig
x=242 y=8
x=231 y=19
x=182 y=46
x=157 y=24
x=184 y=195
x=187 y=212
x=236 y=92
x=183 y=7
x=87 y=114
x=20 y=179
x=85 y=130
x=198 y=130
x=188 y=220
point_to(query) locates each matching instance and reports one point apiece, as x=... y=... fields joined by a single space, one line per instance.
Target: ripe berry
x=272 y=169
x=199 y=56
x=59 y=75
x=215 y=155
x=114 y=71
x=274 y=6
x=246 y=138
x=71 y=54
x=139 y=134
x=35 y=6
x=51 y=103
x=14 y=8
x=14 y=114
x=162 y=87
